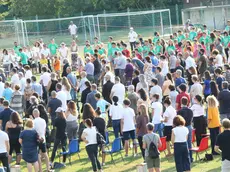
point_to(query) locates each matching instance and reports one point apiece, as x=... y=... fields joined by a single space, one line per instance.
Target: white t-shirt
x=1 y=88
x=22 y=84
x=28 y=74
x=45 y=52
x=190 y=62
x=115 y=111
x=91 y=135
x=45 y=78
x=158 y=110
x=127 y=115
x=82 y=85
x=170 y=113
x=181 y=133
x=196 y=89
x=119 y=91
x=61 y=95
x=73 y=29
x=63 y=52
x=4 y=137
x=15 y=79
x=132 y=36
x=40 y=127
x=219 y=60
x=156 y=90
x=112 y=77
x=198 y=110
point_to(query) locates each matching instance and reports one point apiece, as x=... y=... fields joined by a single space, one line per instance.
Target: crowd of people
x=157 y=88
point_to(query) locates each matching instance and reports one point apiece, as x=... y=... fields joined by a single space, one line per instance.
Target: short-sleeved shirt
x=102 y=105
x=60 y=125
x=4 y=137
x=170 y=113
x=53 y=48
x=128 y=115
x=158 y=110
x=223 y=141
x=24 y=58
x=179 y=97
x=142 y=121
x=5 y=117
x=148 y=138
x=187 y=114
x=7 y=94
x=207 y=89
x=203 y=61
x=72 y=78
x=213 y=117
x=180 y=133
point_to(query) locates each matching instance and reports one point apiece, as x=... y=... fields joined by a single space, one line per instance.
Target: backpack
x=153 y=150
x=100 y=139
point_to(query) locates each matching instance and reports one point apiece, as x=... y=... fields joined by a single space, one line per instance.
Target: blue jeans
x=189 y=141
x=116 y=127
x=158 y=128
x=181 y=156
x=73 y=94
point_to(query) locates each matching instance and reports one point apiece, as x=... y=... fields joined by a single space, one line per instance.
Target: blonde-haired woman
x=66 y=87
x=213 y=120
x=28 y=140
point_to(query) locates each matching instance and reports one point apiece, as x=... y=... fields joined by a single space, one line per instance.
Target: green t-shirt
x=16 y=50
x=140 y=49
x=101 y=51
x=158 y=49
x=88 y=50
x=227 y=28
x=114 y=50
x=192 y=35
x=170 y=48
x=225 y=41
x=53 y=48
x=109 y=49
x=206 y=40
x=155 y=39
x=146 y=50
x=24 y=58
x=180 y=38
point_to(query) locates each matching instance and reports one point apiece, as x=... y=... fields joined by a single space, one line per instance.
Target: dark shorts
x=168 y=132
x=129 y=134
x=153 y=163
x=42 y=147
x=15 y=146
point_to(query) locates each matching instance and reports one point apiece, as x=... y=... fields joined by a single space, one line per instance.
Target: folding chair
x=203 y=147
x=106 y=138
x=163 y=146
x=73 y=148
x=116 y=148
x=193 y=136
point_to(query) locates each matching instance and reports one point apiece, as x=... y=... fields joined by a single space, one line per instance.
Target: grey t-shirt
x=172 y=63
x=160 y=79
x=148 y=138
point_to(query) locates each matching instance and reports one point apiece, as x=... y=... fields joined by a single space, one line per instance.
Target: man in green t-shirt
x=110 y=46
x=88 y=48
x=16 y=48
x=227 y=28
x=181 y=36
x=24 y=57
x=53 y=47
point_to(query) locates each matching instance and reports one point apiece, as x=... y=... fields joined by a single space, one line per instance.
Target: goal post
x=144 y=23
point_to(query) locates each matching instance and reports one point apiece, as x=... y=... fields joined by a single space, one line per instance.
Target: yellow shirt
x=43 y=61
x=213 y=117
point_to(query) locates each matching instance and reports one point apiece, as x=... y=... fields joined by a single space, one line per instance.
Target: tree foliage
x=65 y=8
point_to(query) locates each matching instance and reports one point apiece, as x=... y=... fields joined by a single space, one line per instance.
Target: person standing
x=5 y=115
x=53 y=104
x=132 y=38
x=89 y=136
x=179 y=140
x=133 y=98
x=91 y=97
x=89 y=69
x=222 y=145
x=213 y=121
x=118 y=90
x=128 y=123
x=224 y=101
x=106 y=89
x=5 y=148
x=73 y=82
x=28 y=140
x=61 y=95
x=152 y=164
x=73 y=30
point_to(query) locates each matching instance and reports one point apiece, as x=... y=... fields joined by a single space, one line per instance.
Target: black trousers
x=133 y=45
x=213 y=135
x=226 y=52
x=140 y=141
x=56 y=144
x=200 y=125
x=92 y=151
x=4 y=160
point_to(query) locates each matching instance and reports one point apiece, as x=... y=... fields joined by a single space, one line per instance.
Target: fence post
x=162 y=27
x=16 y=30
x=129 y=21
x=105 y=21
x=59 y=24
x=153 y=17
x=36 y=17
x=223 y=14
x=84 y=26
x=98 y=27
x=177 y=14
x=213 y=14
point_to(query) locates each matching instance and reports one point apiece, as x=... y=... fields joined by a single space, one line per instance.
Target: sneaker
x=126 y=155
x=102 y=164
x=135 y=155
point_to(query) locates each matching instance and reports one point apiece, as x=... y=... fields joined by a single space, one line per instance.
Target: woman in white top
x=164 y=65
x=199 y=120
x=168 y=117
x=4 y=149
x=36 y=56
x=148 y=69
x=179 y=139
x=14 y=58
x=89 y=136
x=142 y=83
x=71 y=120
x=115 y=111
x=66 y=87
x=6 y=62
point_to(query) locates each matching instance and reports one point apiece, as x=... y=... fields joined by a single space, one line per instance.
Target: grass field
x=129 y=163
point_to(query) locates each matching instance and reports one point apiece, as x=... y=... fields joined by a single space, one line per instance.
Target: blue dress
x=29 y=145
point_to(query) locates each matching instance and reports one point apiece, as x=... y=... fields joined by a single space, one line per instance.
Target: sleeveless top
x=14 y=133
x=71 y=118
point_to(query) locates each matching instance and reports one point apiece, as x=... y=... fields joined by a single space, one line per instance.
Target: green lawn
x=130 y=163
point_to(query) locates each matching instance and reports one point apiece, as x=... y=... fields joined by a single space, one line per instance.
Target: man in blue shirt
x=53 y=104
x=73 y=82
x=7 y=93
x=179 y=80
x=5 y=115
x=91 y=97
x=89 y=69
x=154 y=60
x=36 y=87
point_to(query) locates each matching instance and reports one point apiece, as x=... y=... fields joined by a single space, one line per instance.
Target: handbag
x=58 y=165
x=100 y=139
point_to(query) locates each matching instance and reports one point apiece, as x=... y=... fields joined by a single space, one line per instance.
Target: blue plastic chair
x=106 y=138
x=116 y=148
x=73 y=148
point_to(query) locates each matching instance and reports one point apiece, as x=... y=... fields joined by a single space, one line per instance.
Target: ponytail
x=115 y=100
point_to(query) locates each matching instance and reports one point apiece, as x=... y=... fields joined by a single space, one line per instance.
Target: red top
x=179 y=97
x=126 y=53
